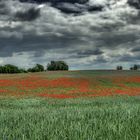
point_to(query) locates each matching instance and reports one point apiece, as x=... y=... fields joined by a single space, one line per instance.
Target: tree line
x=135 y=67
x=52 y=66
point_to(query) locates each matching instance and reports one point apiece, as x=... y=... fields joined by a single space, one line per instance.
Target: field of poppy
x=75 y=105
x=69 y=86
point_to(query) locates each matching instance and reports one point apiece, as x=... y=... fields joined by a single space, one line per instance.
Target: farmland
x=73 y=105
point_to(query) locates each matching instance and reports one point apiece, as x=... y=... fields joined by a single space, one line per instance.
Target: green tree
x=131 y=68
x=57 y=65
x=36 y=68
x=1 y=69
x=119 y=68
x=21 y=70
x=8 y=68
x=39 y=67
x=135 y=67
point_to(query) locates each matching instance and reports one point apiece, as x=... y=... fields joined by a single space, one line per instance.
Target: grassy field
x=76 y=105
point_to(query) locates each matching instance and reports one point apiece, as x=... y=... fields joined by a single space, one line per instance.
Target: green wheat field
x=114 y=117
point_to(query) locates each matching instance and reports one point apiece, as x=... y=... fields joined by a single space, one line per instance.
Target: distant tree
x=1 y=69
x=135 y=67
x=57 y=65
x=36 y=68
x=131 y=68
x=39 y=67
x=119 y=68
x=8 y=68
x=29 y=70
x=21 y=70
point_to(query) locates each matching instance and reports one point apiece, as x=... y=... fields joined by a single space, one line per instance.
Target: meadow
x=70 y=105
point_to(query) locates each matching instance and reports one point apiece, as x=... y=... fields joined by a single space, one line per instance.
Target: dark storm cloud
x=90 y=52
x=56 y=1
x=134 y=3
x=39 y=31
x=130 y=58
x=100 y=59
x=3 y=8
x=77 y=8
x=137 y=49
x=29 y=15
x=112 y=40
x=31 y=42
x=70 y=6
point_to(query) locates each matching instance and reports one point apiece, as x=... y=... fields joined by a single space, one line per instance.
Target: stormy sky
x=87 y=34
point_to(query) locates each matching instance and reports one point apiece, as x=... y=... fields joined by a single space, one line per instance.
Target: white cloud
x=110 y=30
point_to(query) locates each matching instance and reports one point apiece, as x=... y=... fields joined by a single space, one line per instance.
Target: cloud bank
x=86 y=34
